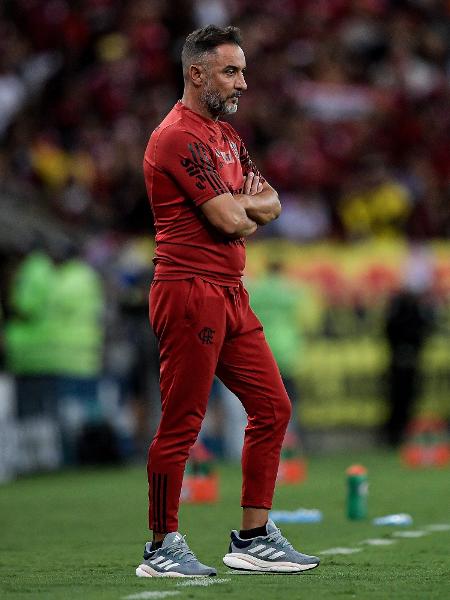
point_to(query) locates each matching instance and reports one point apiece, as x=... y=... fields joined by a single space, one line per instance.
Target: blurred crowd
x=346 y=114
x=346 y=111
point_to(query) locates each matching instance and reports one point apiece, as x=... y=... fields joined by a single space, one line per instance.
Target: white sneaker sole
x=146 y=571
x=245 y=562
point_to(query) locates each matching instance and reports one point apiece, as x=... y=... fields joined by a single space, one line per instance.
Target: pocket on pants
x=189 y=309
x=195 y=300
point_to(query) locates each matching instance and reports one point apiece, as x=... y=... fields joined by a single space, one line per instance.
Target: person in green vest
x=56 y=324
x=277 y=302
x=28 y=358
x=76 y=334
x=75 y=326
x=27 y=349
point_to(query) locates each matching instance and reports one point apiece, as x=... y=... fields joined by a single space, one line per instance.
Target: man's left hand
x=252 y=184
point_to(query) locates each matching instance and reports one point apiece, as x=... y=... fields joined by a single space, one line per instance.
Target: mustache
x=236 y=95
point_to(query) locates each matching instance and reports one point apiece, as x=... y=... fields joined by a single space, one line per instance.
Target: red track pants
x=206 y=329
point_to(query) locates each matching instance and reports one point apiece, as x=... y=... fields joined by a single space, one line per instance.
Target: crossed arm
x=239 y=216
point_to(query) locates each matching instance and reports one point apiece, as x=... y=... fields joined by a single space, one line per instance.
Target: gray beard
x=215 y=105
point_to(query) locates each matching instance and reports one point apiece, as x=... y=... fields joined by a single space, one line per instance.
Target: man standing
x=206 y=197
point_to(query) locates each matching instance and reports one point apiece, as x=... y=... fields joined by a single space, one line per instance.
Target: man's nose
x=240 y=83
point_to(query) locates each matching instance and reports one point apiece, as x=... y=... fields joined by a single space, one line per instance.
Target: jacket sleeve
x=185 y=158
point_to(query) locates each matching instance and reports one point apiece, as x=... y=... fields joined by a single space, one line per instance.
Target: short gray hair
x=204 y=41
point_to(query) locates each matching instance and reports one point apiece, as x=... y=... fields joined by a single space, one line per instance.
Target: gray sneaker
x=173 y=559
x=271 y=553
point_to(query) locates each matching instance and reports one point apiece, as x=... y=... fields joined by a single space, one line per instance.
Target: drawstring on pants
x=234 y=293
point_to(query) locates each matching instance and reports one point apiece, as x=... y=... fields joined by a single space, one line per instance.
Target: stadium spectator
x=331 y=84
x=88 y=81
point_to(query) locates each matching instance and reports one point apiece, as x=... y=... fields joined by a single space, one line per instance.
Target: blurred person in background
x=28 y=356
x=54 y=347
x=27 y=334
x=82 y=84
x=207 y=196
x=132 y=355
x=76 y=336
x=276 y=300
x=377 y=205
x=409 y=323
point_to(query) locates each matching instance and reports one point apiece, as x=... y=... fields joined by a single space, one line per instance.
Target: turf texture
x=80 y=535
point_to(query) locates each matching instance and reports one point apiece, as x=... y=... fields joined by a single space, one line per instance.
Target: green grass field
x=80 y=535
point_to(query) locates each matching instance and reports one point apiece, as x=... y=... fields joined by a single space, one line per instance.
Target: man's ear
x=197 y=75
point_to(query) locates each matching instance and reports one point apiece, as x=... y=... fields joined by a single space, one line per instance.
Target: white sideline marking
x=438 y=527
x=341 y=551
x=145 y=595
x=262 y=573
x=410 y=534
x=205 y=582
x=387 y=542
x=378 y=542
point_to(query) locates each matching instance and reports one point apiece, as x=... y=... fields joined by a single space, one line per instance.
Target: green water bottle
x=357 y=491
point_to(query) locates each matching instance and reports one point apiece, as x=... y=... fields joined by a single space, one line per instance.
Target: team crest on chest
x=234 y=150
x=224 y=156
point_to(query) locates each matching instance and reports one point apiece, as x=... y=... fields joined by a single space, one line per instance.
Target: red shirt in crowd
x=189 y=160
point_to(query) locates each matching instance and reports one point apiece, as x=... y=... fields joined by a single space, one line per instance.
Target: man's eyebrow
x=236 y=68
